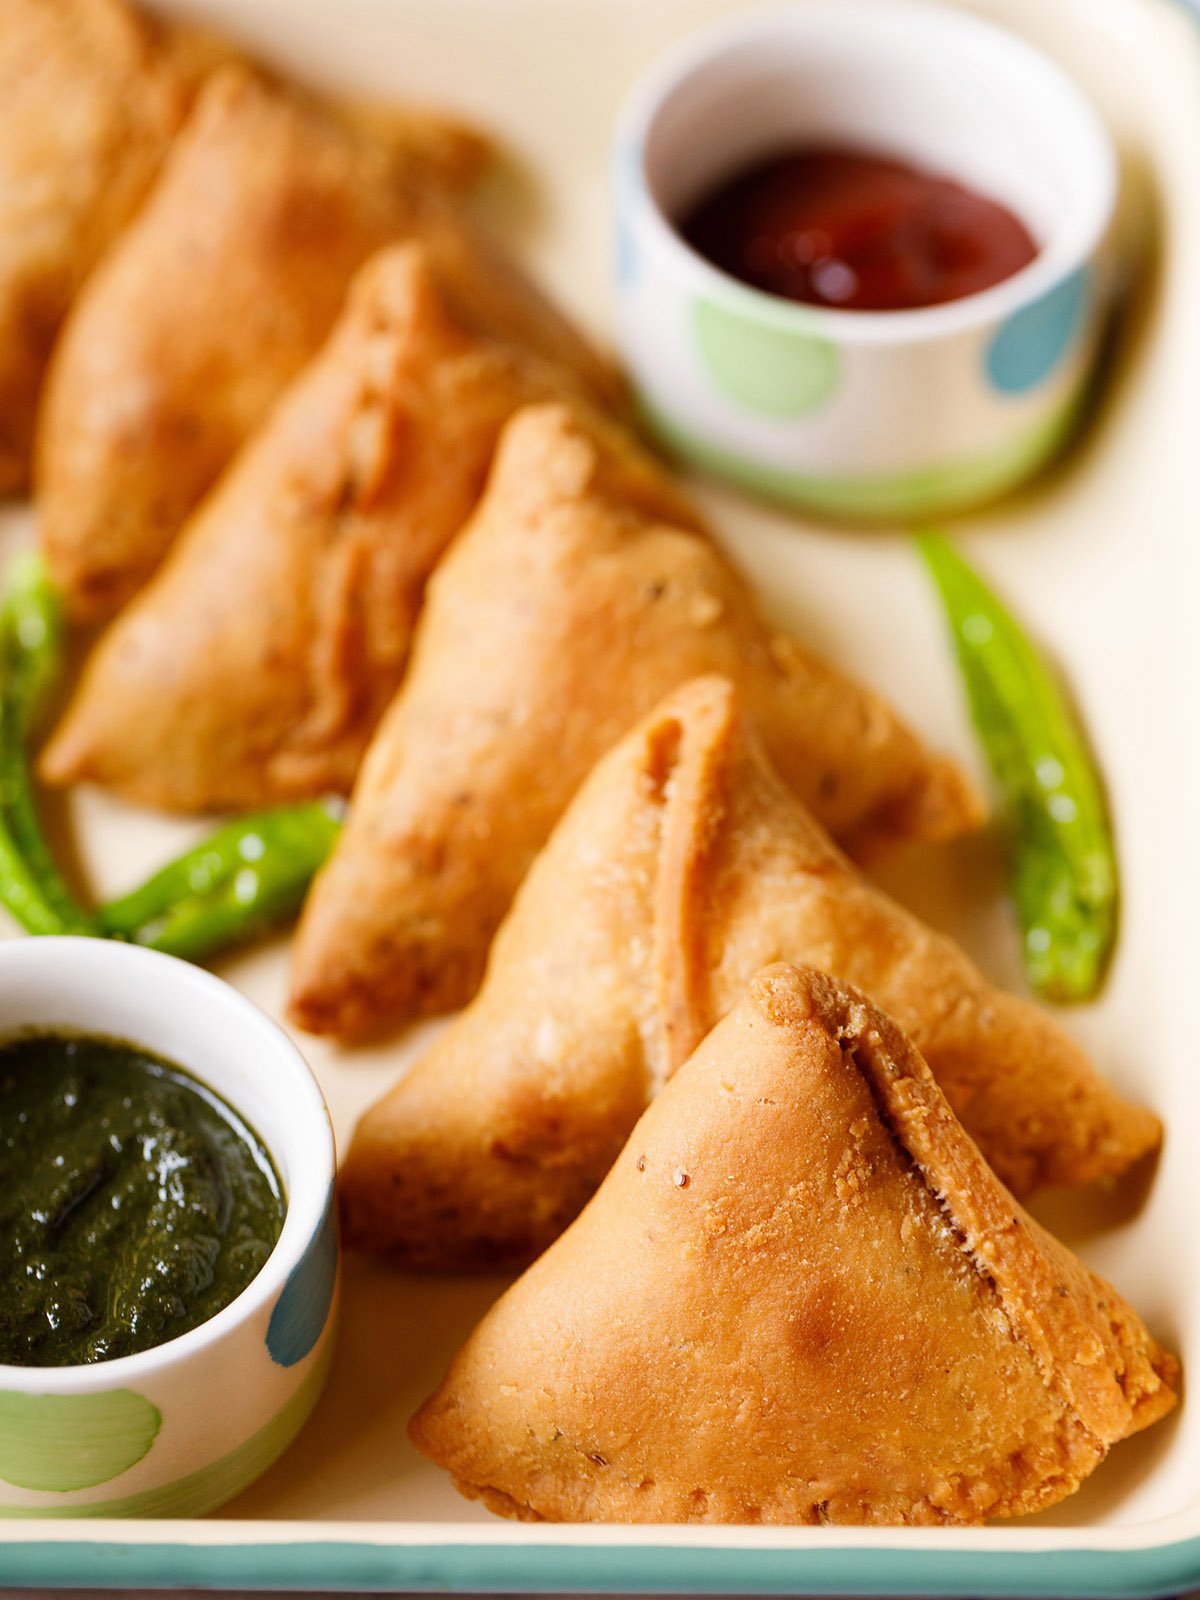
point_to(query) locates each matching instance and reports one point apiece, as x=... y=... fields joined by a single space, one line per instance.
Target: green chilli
x=31 y=886
x=1062 y=859
x=232 y=886
x=245 y=877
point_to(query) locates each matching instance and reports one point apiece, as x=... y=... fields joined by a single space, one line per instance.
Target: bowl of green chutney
x=168 y=1286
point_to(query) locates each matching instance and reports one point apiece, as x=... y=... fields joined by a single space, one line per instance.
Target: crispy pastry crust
x=682 y=866
x=582 y=590
x=224 y=286
x=325 y=528
x=800 y=1296
x=92 y=94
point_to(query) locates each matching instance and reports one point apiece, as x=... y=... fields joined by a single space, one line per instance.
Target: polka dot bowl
x=179 y=1429
x=866 y=415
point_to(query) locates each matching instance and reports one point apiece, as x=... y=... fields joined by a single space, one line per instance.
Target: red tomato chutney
x=857 y=231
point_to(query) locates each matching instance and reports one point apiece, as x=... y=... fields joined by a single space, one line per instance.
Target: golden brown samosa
x=91 y=94
x=226 y=283
x=579 y=594
x=683 y=865
x=254 y=666
x=800 y=1296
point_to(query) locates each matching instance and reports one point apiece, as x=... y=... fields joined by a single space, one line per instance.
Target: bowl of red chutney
x=863 y=258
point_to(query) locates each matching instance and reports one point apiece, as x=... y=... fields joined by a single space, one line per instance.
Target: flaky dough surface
x=255 y=665
x=219 y=292
x=92 y=94
x=800 y=1296
x=581 y=591
x=683 y=866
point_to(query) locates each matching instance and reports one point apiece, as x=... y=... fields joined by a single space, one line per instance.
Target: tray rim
x=387 y=1558
x=1157 y=1558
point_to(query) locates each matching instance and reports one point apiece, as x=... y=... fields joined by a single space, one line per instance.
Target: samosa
x=91 y=95
x=684 y=865
x=800 y=1296
x=224 y=286
x=254 y=666
x=580 y=592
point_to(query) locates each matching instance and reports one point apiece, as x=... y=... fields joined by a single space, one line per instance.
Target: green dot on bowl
x=63 y=1442
x=775 y=372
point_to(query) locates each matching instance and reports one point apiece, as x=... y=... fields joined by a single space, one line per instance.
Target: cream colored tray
x=1101 y=558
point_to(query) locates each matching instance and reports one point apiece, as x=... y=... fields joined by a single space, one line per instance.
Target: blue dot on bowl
x=303 y=1306
x=627 y=196
x=625 y=256
x=1032 y=342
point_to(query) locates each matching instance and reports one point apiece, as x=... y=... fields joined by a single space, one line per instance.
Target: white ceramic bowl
x=177 y=1430
x=867 y=414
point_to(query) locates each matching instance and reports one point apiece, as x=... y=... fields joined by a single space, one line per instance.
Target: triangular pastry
x=225 y=284
x=580 y=592
x=92 y=93
x=683 y=866
x=325 y=528
x=800 y=1296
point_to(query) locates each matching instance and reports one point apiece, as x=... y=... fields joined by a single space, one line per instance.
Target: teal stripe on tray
x=607 y=1569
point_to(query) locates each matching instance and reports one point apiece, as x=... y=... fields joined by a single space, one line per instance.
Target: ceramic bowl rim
x=1063 y=256
x=310 y=1148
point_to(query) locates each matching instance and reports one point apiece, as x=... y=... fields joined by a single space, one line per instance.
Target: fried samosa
x=224 y=286
x=580 y=593
x=800 y=1296
x=91 y=96
x=684 y=865
x=325 y=529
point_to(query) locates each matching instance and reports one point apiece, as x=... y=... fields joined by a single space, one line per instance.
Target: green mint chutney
x=134 y=1204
